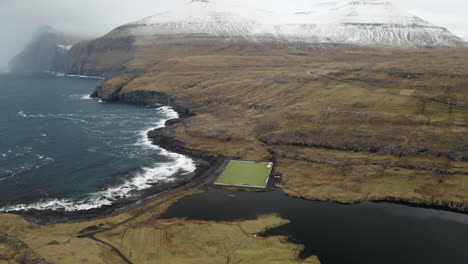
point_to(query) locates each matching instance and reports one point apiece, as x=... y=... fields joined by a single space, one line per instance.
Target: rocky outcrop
x=14 y=251
x=111 y=91
x=105 y=56
x=55 y=51
x=46 y=52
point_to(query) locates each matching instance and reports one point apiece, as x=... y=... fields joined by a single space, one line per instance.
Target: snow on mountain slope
x=367 y=12
x=376 y=22
x=203 y=17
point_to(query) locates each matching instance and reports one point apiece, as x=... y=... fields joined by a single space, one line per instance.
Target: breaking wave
x=132 y=187
x=61 y=74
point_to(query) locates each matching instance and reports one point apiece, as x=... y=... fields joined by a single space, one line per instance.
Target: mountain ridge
x=371 y=22
x=368 y=22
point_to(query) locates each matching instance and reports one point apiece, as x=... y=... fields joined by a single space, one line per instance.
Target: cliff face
x=51 y=50
x=100 y=57
x=46 y=52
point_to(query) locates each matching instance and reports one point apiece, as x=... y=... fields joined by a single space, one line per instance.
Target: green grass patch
x=245 y=173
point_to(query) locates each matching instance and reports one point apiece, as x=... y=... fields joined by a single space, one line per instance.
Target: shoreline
x=207 y=164
x=158 y=97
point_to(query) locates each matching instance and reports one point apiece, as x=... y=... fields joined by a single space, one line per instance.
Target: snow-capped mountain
x=375 y=22
x=202 y=17
x=367 y=22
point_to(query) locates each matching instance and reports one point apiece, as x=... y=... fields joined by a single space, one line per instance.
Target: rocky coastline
x=342 y=172
x=161 y=137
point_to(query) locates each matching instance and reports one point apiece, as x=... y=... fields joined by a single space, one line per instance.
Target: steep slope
x=202 y=17
x=203 y=26
x=210 y=27
x=100 y=57
x=46 y=52
x=374 y=22
x=199 y=27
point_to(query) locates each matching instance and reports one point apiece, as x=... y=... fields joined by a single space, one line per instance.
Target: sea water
x=62 y=150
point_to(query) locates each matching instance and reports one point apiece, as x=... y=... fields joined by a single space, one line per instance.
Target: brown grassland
x=142 y=237
x=343 y=123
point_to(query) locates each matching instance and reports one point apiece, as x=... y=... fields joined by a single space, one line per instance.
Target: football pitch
x=245 y=174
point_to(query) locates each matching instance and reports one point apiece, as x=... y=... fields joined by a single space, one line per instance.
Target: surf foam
x=161 y=172
x=61 y=74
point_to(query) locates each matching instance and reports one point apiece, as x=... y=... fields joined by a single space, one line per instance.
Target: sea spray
x=141 y=180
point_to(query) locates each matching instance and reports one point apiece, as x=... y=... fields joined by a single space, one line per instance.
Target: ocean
x=62 y=150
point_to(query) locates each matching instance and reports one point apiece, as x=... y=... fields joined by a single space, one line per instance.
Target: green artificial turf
x=245 y=173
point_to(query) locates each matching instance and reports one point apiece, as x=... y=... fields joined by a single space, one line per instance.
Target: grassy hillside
x=345 y=123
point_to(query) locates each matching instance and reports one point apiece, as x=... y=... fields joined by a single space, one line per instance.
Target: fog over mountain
x=21 y=18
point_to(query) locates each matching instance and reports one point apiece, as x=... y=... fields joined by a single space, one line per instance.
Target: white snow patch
x=348 y=21
x=65 y=48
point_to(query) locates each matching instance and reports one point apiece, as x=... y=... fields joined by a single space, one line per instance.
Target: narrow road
x=205 y=178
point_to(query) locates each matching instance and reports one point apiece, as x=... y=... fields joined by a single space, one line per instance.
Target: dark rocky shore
x=161 y=137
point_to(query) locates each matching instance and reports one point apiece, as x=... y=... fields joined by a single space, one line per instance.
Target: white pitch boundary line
x=242 y=186
x=250 y=186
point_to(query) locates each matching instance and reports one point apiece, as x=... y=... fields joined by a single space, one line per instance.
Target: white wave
x=6 y=178
x=84 y=76
x=81 y=96
x=169 y=114
x=129 y=188
x=21 y=113
x=61 y=74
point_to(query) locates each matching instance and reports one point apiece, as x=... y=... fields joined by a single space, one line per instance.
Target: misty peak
x=45 y=29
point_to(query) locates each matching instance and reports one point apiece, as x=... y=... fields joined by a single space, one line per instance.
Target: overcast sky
x=20 y=18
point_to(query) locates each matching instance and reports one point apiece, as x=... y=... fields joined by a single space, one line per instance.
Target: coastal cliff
x=105 y=56
x=53 y=51
x=46 y=52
